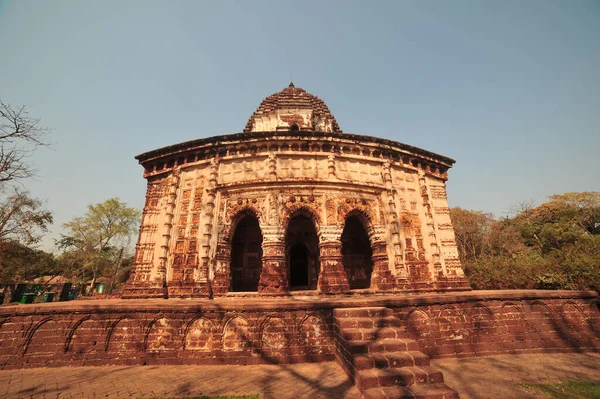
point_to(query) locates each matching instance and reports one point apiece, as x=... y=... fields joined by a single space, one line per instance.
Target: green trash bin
x=27 y=298
x=48 y=296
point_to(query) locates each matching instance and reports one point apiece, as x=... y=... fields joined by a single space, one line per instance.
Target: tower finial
x=291 y=81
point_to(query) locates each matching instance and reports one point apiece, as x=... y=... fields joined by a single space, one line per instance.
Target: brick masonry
x=289 y=330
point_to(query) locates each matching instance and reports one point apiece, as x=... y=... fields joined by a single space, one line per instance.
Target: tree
x=471 y=229
x=19 y=262
x=99 y=239
x=554 y=245
x=586 y=206
x=20 y=135
x=22 y=218
x=561 y=222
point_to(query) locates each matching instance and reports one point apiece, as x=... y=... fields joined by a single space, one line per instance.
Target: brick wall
x=250 y=331
x=489 y=327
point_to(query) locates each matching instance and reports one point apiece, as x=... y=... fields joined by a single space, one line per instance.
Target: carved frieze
x=291 y=203
x=366 y=207
x=236 y=205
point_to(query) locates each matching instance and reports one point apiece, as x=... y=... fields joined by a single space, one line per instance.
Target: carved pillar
x=395 y=228
x=161 y=278
x=206 y=230
x=332 y=276
x=273 y=276
x=222 y=277
x=381 y=277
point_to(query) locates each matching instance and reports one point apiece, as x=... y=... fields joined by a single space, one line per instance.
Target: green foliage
x=19 y=263
x=104 y=224
x=95 y=244
x=553 y=246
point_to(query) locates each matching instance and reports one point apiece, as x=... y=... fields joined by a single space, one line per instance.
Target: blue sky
x=510 y=89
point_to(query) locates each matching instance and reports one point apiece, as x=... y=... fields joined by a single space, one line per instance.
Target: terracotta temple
x=270 y=221
x=294 y=204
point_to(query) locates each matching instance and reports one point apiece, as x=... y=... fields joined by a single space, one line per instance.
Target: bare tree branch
x=20 y=135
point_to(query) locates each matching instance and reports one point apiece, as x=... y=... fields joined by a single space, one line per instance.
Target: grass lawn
x=567 y=390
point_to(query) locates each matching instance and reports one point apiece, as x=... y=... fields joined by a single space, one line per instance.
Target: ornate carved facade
x=292 y=203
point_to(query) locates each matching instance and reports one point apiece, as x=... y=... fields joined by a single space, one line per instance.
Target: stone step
x=390 y=360
x=433 y=391
x=382 y=345
x=362 y=312
x=372 y=334
x=428 y=391
x=368 y=322
x=405 y=376
x=395 y=392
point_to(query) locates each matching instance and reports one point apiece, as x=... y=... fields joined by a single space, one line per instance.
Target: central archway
x=299 y=266
x=357 y=253
x=302 y=253
x=246 y=255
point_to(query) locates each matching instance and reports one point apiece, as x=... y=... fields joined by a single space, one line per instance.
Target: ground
x=482 y=377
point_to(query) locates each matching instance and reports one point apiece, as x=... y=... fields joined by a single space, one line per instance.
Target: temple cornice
x=254 y=144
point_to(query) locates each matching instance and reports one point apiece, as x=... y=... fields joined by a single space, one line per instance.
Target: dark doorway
x=299 y=266
x=302 y=250
x=246 y=255
x=356 y=253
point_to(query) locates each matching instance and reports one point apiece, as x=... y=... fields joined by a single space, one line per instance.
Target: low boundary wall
x=288 y=330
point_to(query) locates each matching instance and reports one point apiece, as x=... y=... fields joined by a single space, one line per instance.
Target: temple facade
x=293 y=204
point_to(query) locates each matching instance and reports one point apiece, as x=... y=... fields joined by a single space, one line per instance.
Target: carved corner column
x=450 y=272
x=273 y=276
x=381 y=277
x=332 y=276
x=168 y=226
x=140 y=284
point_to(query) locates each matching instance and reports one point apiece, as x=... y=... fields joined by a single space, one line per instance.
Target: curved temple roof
x=292 y=106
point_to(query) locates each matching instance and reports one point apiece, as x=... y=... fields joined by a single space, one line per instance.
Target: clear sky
x=510 y=89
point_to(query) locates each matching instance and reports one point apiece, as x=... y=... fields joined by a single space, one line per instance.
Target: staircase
x=381 y=358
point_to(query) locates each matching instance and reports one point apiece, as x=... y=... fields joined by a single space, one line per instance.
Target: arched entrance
x=246 y=255
x=302 y=253
x=299 y=266
x=356 y=253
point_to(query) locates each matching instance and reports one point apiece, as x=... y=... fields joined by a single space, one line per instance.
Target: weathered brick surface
x=109 y=335
x=490 y=327
x=288 y=330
